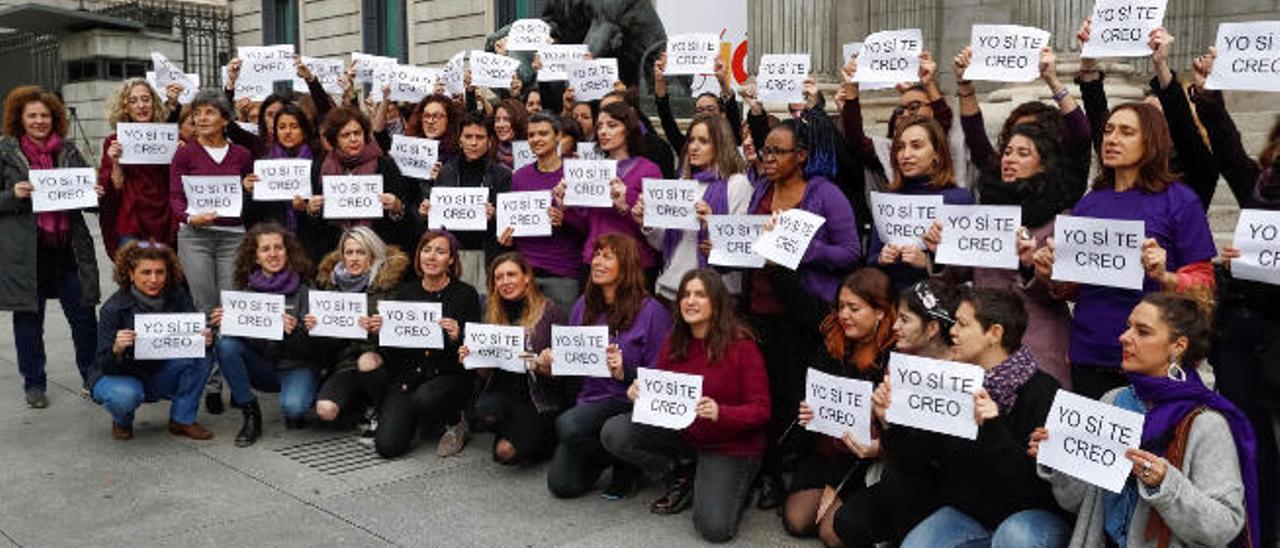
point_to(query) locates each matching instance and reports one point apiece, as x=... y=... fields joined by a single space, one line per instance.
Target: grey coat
x=1203 y=503
x=18 y=234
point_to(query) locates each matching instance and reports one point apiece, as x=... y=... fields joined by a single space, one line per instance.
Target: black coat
x=117 y=314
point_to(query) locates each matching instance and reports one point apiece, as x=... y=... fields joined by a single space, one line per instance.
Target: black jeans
x=513 y=417
x=352 y=390
x=722 y=483
x=579 y=457
x=787 y=349
x=432 y=404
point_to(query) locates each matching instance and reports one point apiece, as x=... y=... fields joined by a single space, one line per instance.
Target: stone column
x=794 y=26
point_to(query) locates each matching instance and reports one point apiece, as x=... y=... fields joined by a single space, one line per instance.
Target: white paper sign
x=327 y=71
x=1105 y=252
x=902 y=219
x=252 y=315
x=411 y=84
x=692 y=54
x=556 y=59
x=780 y=78
x=168 y=73
x=352 y=196
x=528 y=35
x=454 y=73
x=382 y=76
x=839 y=405
x=266 y=63
x=1121 y=28
x=933 y=395
x=667 y=399
x=492 y=346
x=410 y=324
x=491 y=70
x=521 y=155
x=980 y=235
x=189 y=90
x=851 y=51
x=890 y=56
x=458 y=208
x=365 y=65
x=587 y=150
x=250 y=127
x=63 y=189
x=168 y=336
x=731 y=238
x=579 y=351
x=1258 y=238
x=790 y=237
x=1087 y=440
x=587 y=182
x=669 y=203
x=524 y=212
x=1006 y=53
x=253 y=90
x=281 y=180
x=415 y=156
x=338 y=314
x=1248 y=57
x=219 y=194
x=152 y=144
x=592 y=80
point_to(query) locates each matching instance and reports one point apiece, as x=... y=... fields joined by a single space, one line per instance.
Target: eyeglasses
x=775 y=151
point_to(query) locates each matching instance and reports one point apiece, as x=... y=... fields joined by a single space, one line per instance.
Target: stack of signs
x=890 y=57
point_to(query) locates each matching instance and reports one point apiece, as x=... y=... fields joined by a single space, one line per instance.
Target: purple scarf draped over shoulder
x=717 y=197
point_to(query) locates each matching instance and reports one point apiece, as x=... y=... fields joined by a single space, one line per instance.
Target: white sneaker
x=454 y=439
x=368 y=427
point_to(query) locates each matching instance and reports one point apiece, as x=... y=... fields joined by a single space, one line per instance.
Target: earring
x=1175 y=369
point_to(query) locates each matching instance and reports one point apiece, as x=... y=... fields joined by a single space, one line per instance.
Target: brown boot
x=193 y=430
x=122 y=433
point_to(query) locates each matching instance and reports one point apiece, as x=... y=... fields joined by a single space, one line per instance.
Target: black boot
x=252 y=427
x=213 y=403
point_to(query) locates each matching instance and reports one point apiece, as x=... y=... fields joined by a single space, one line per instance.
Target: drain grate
x=333 y=456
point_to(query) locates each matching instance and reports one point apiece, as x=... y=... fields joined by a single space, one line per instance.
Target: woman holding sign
x=556 y=259
x=784 y=305
x=1134 y=184
x=510 y=119
x=427 y=390
x=362 y=263
x=1194 y=478
x=150 y=281
x=857 y=337
x=986 y=487
x=1032 y=174
x=520 y=409
x=615 y=296
x=49 y=254
x=710 y=158
x=713 y=460
x=293 y=137
x=270 y=260
x=136 y=205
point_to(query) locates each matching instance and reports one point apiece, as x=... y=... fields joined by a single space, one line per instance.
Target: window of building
x=385 y=29
x=280 y=22
x=507 y=11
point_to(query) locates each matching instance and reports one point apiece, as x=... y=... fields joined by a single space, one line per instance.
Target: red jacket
x=739 y=386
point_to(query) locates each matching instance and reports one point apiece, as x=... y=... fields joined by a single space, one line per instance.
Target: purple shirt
x=598 y=221
x=835 y=249
x=1176 y=220
x=193 y=159
x=640 y=346
x=559 y=254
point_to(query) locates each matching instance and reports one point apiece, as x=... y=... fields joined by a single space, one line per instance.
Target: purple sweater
x=640 y=346
x=193 y=159
x=835 y=248
x=559 y=254
x=598 y=221
x=1174 y=218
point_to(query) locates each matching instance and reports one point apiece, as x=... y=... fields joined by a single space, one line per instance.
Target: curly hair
x=20 y=97
x=453 y=123
x=118 y=105
x=247 y=253
x=339 y=118
x=128 y=257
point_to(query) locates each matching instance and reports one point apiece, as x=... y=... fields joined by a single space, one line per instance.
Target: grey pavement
x=65 y=482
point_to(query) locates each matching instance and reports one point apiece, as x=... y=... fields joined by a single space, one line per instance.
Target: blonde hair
x=118 y=105
x=369 y=240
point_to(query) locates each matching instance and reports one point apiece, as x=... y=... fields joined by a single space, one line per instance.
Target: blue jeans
x=181 y=381
x=28 y=334
x=245 y=370
x=949 y=527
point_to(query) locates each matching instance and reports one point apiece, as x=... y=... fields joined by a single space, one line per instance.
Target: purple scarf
x=1004 y=381
x=716 y=196
x=278 y=151
x=54 y=226
x=284 y=282
x=1168 y=401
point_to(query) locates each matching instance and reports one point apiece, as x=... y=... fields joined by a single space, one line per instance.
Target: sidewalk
x=66 y=482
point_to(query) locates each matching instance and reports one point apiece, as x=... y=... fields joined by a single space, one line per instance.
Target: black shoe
x=295 y=424
x=679 y=494
x=213 y=403
x=252 y=427
x=621 y=484
x=36 y=399
x=772 y=495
